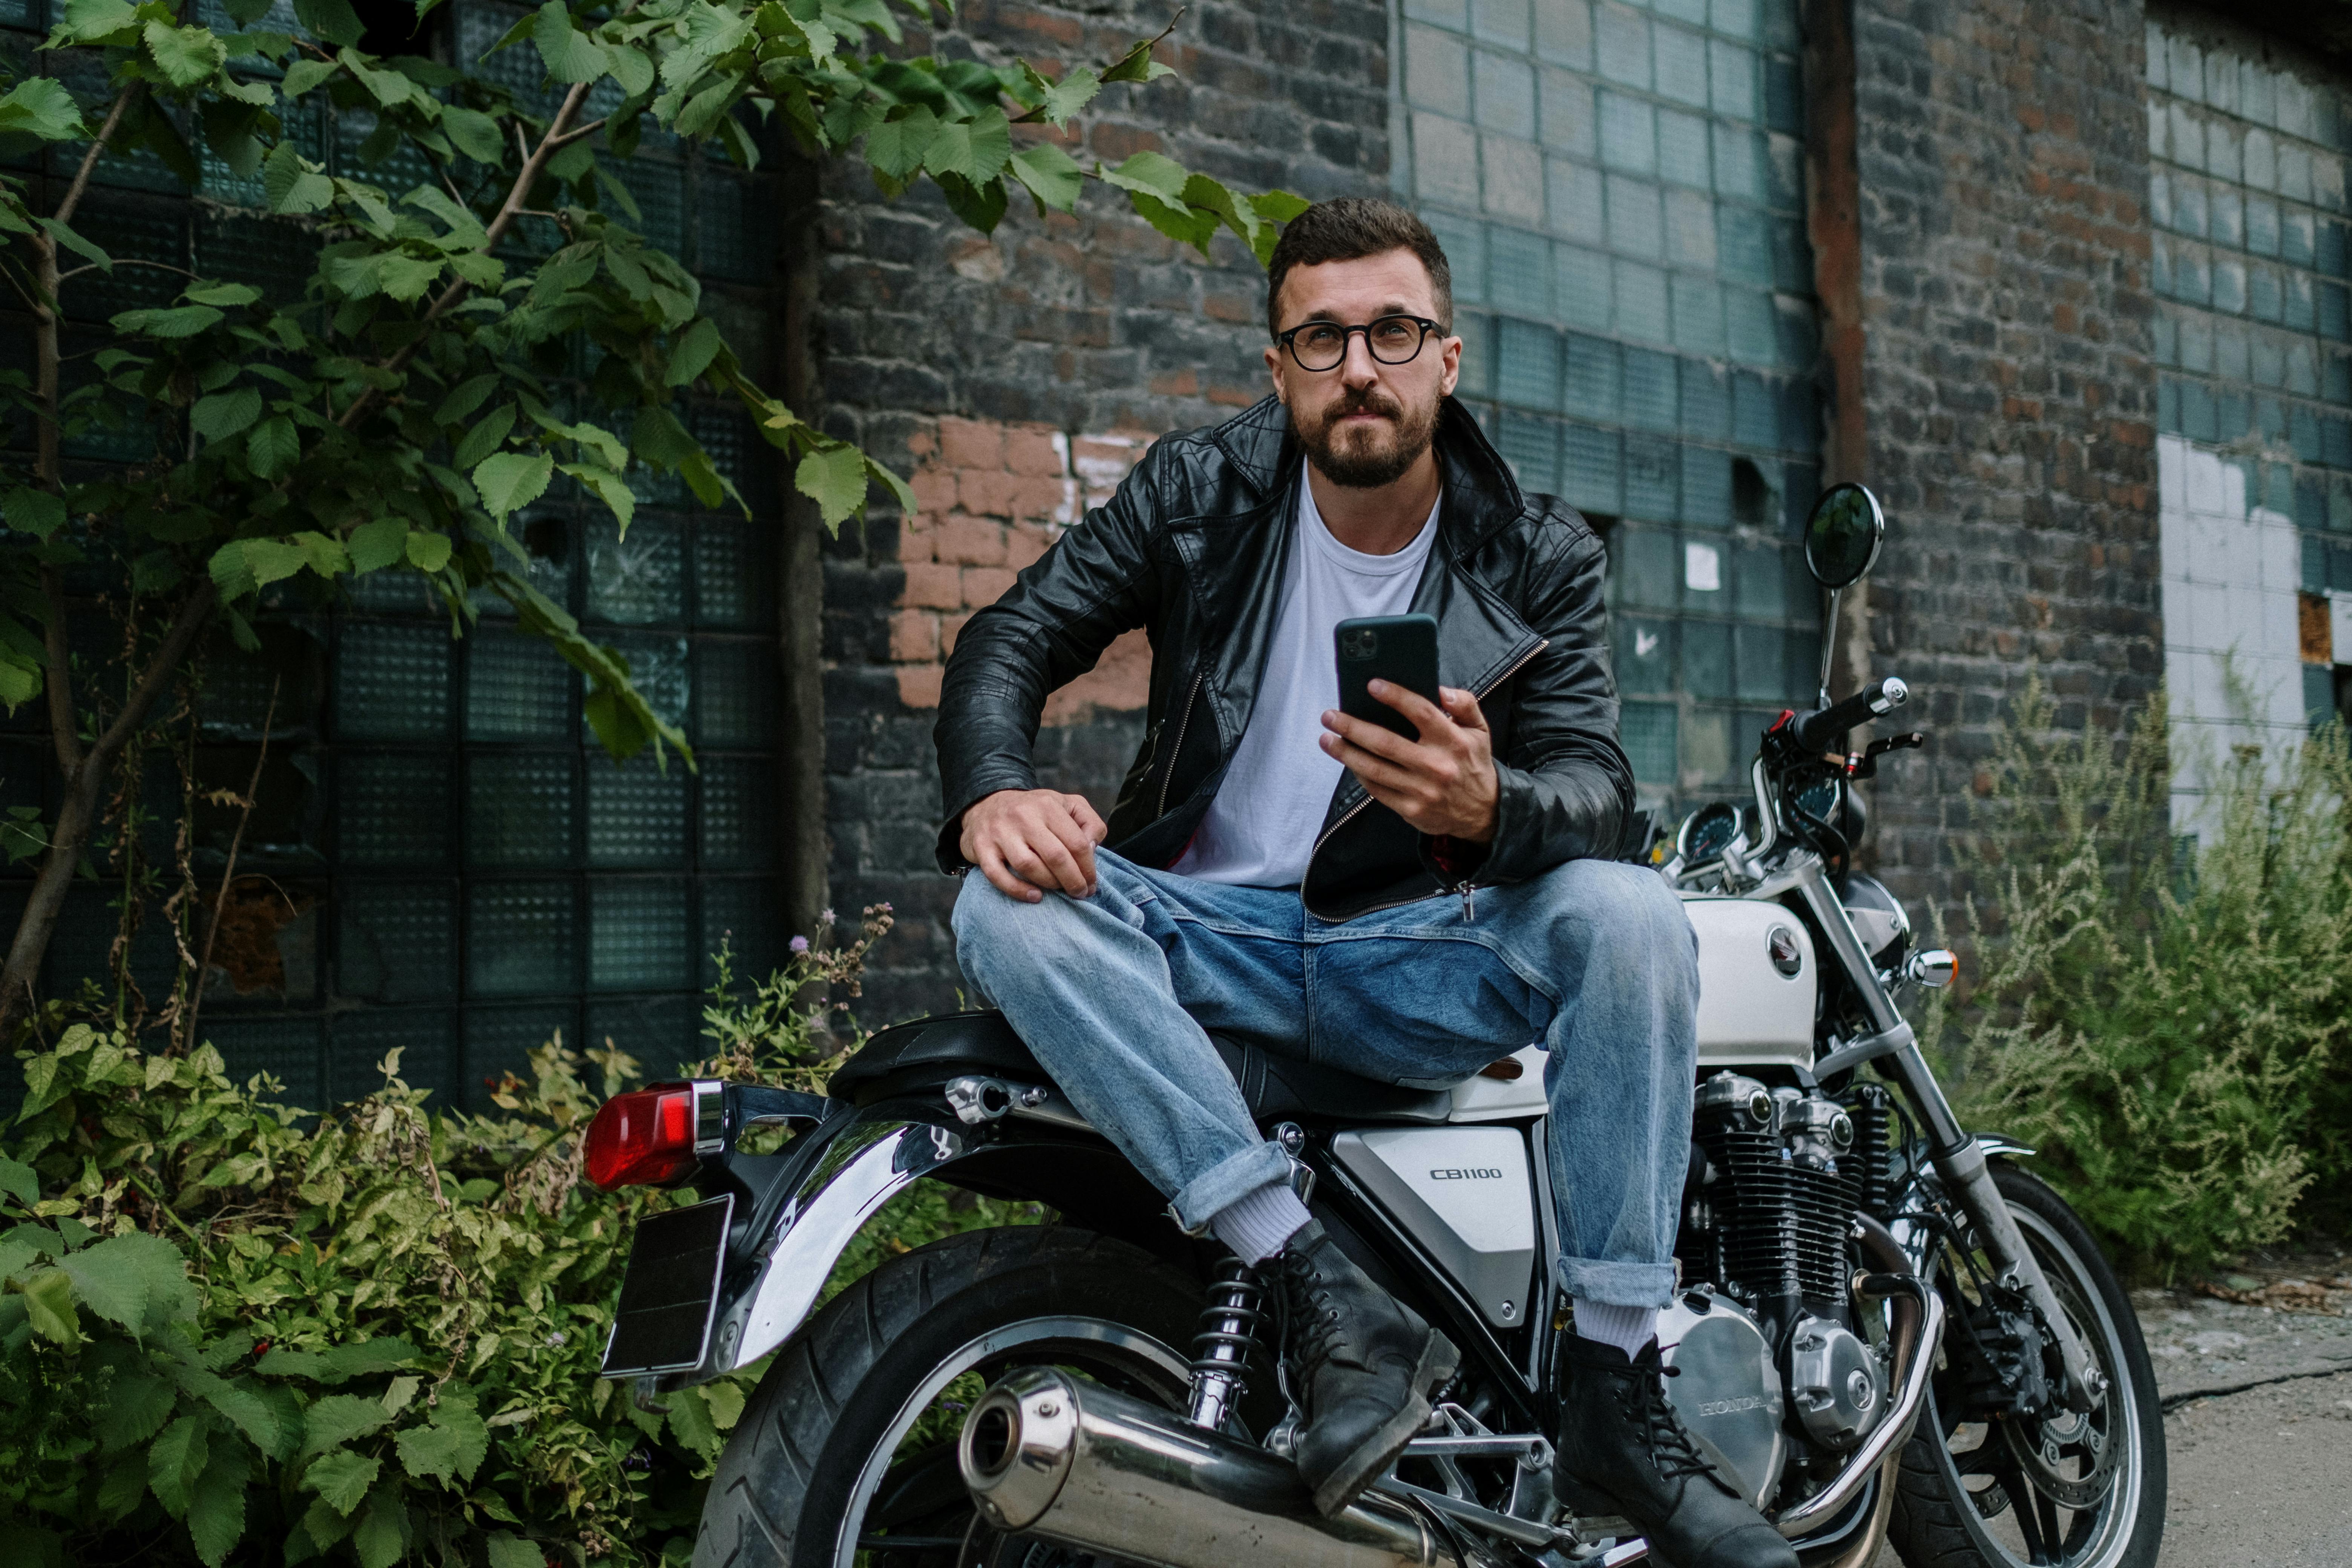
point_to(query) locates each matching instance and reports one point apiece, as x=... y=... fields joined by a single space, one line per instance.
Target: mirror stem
x=1829 y=647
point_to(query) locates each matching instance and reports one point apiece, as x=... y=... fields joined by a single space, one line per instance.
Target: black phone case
x=1400 y=650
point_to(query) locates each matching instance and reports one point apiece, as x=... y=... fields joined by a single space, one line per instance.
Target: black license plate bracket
x=669 y=1295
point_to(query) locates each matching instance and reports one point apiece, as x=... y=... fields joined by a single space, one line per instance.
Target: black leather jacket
x=1192 y=549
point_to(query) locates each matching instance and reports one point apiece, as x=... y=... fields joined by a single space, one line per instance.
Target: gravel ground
x=2258 y=1427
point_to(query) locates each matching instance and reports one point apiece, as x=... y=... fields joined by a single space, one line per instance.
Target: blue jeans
x=1595 y=960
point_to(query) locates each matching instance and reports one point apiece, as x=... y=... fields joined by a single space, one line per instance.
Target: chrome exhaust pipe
x=1046 y=1455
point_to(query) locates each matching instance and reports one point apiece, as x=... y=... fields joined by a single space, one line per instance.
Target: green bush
x=232 y=1329
x=2167 y=1019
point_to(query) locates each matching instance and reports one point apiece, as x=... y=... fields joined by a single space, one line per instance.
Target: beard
x=1366 y=457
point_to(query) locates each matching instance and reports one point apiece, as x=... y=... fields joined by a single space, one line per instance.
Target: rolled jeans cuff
x=1618 y=1284
x=1229 y=1179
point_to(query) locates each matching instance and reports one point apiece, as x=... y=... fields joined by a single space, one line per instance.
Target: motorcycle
x=1883 y=1328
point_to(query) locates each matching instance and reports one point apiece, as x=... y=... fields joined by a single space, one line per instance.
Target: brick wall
x=973 y=356
x=2002 y=148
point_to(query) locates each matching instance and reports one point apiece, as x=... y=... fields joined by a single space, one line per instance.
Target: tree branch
x=185 y=624
x=126 y=261
x=90 y=159
x=63 y=733
x=228 y=872
x=533 y=164
x=569 y=137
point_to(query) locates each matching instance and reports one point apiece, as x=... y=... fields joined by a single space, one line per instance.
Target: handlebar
x=1814 y=732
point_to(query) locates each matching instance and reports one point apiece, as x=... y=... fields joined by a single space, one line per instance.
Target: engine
x=1768 y=1223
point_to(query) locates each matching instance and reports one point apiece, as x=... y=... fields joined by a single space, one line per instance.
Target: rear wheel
x=2066 y=1491
x=844 y=1455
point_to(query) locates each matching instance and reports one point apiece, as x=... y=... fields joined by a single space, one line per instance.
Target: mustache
x=1367 y=401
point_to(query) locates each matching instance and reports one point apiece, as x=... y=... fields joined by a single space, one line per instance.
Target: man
x=1407 y=909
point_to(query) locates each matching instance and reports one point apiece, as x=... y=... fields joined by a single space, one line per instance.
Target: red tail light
x=643 y=1138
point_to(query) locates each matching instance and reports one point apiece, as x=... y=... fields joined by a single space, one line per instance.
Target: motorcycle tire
x=1939 y=1522
x=813 y=1476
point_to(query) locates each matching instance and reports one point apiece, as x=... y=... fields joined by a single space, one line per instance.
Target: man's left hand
x=1444 y=783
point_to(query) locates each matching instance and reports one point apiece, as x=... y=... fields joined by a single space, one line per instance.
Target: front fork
x=1957 y=1158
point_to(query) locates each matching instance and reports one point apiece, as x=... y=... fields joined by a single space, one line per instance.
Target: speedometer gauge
x=1708 y=833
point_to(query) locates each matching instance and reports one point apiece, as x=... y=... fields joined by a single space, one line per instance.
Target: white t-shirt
x=1260 y=829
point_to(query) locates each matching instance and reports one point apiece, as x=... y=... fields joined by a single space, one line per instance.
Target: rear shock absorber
x=1221 y=1350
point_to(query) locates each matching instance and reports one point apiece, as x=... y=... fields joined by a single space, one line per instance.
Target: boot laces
x=1641 y=1395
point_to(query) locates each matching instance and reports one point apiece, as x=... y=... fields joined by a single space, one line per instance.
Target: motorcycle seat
x=920 y=1057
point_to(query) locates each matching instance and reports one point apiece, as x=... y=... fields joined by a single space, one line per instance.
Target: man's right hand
x=1031 y=842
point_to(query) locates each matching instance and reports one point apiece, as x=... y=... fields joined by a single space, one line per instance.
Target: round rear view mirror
x=1843 y=536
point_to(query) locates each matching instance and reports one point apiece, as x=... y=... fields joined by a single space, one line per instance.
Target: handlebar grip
x=1816 y=730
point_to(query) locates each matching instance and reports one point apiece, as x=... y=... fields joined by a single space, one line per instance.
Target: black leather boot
x=1368 y=1364
x=1623 y=1451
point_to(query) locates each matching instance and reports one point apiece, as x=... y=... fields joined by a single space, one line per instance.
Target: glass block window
x=2247 y=199
x=1618 y=188
x=441 y=857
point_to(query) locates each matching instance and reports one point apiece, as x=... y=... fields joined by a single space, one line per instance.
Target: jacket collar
x=1480 y=493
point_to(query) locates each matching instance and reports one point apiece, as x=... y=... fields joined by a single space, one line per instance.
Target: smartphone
x=1399 y=649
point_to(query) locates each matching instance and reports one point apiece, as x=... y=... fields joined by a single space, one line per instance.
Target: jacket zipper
x=1183 y=722
x=1462 y=887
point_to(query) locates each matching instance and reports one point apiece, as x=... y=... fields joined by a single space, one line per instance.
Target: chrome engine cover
x=1727 y=1392
x=1839 y=1388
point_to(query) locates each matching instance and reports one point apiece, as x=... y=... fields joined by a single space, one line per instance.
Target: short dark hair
x=1348 y=229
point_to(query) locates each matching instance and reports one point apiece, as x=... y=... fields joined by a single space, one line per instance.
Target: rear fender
x=837 y=1175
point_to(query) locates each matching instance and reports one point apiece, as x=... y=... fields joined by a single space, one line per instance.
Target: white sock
x=1257 y=1224
x=1627 y=1327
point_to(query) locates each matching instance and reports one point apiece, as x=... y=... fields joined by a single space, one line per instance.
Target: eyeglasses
x=1392 y=340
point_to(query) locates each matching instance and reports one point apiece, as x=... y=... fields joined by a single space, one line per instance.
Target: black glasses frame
x=1288 y=340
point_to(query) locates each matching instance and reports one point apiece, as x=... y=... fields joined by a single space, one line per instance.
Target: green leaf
x=512 y=480
x=975 y=149
x=610 y=488
x=49 y=1305
x=406 y=277
x=571 y=56
x=338 y=1418
x=176 y=1461
x=37 y=513
x=509 y=1551
x=274 y=446
x=305 y=74
x=631 y=67
x=465 y=397
x=73 y=240
x=245 y=13
x=294 y=186
x=382 y=1353
x=373 y=546
x=186 y=56
x=428 y=1452
x=20 y=1182
x=382 y=1533
x=342 y=1477
x=982 y=206
x=90 y=20
x=1060 y=100
x=135 y=1410
x=690 y=354
x=241 y=1402
x=427 y=552
x=476 y=134
x=134 y=1279
x=228 y=296
x=1049 y=175
x=834 y=478
x=895 y=147
x=1279 y=206
x=456 y=1416
x=226 y=413
x=216 y=1510
x=40 y=107
x=485 y=436
x=333 y=20
x=1137 y=65
x=123 y=1488
x=1153 y=173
